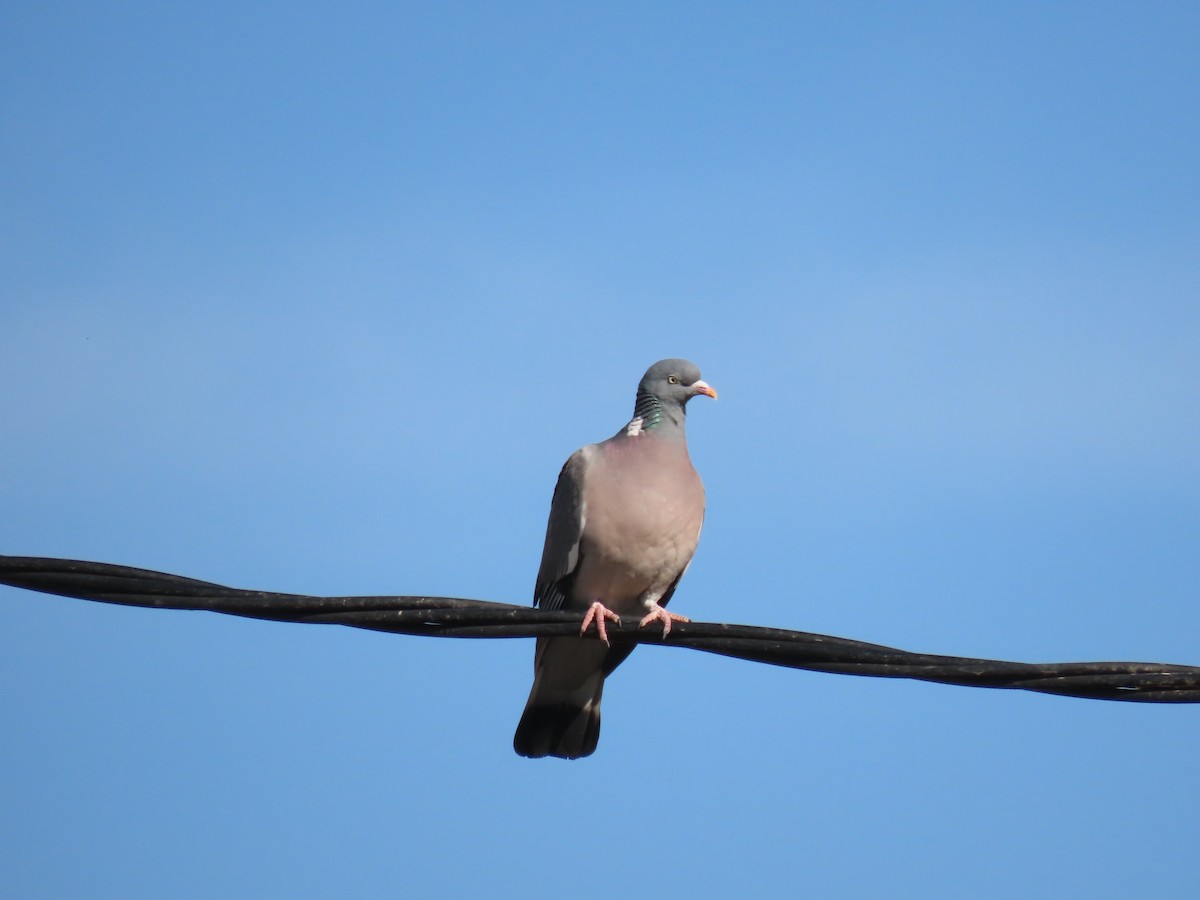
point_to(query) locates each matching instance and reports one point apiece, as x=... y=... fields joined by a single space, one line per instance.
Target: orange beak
x=702 y=387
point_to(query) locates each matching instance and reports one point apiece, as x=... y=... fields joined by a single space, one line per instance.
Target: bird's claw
x=597 y=613
x=658 y=613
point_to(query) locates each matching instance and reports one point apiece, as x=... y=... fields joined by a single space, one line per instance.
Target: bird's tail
x=562 y=715
x=558 y=729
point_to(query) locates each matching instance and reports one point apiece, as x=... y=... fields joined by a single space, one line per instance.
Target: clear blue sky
x=319 y=299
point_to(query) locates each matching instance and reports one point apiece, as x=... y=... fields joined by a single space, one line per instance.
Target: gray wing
x=560 y=555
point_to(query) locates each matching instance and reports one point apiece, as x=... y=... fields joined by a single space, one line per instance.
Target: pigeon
x=624 y=523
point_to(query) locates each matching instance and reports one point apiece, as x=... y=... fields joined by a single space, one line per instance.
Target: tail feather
x=562 y=716
x=565 y=730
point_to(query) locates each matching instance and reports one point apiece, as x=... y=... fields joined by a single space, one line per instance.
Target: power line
x=462 y=618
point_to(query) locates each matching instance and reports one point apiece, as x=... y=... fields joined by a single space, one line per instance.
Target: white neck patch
x=635 y=427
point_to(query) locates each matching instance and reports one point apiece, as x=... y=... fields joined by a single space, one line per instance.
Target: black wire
x=455 y=617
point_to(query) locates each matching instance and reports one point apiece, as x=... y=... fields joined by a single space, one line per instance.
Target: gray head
x=664 y=391
x=674 y=381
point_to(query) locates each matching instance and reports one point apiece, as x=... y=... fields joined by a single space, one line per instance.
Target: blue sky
x=319 y=300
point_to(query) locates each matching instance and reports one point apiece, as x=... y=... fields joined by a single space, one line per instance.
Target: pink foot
x=658 y=613
x=597 y=613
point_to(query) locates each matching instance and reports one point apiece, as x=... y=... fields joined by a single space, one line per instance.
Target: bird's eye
x=671 y=379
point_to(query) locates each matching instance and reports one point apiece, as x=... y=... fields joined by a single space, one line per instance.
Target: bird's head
x=674 y=381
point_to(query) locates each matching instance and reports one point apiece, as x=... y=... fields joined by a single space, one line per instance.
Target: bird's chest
x=645 y=524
